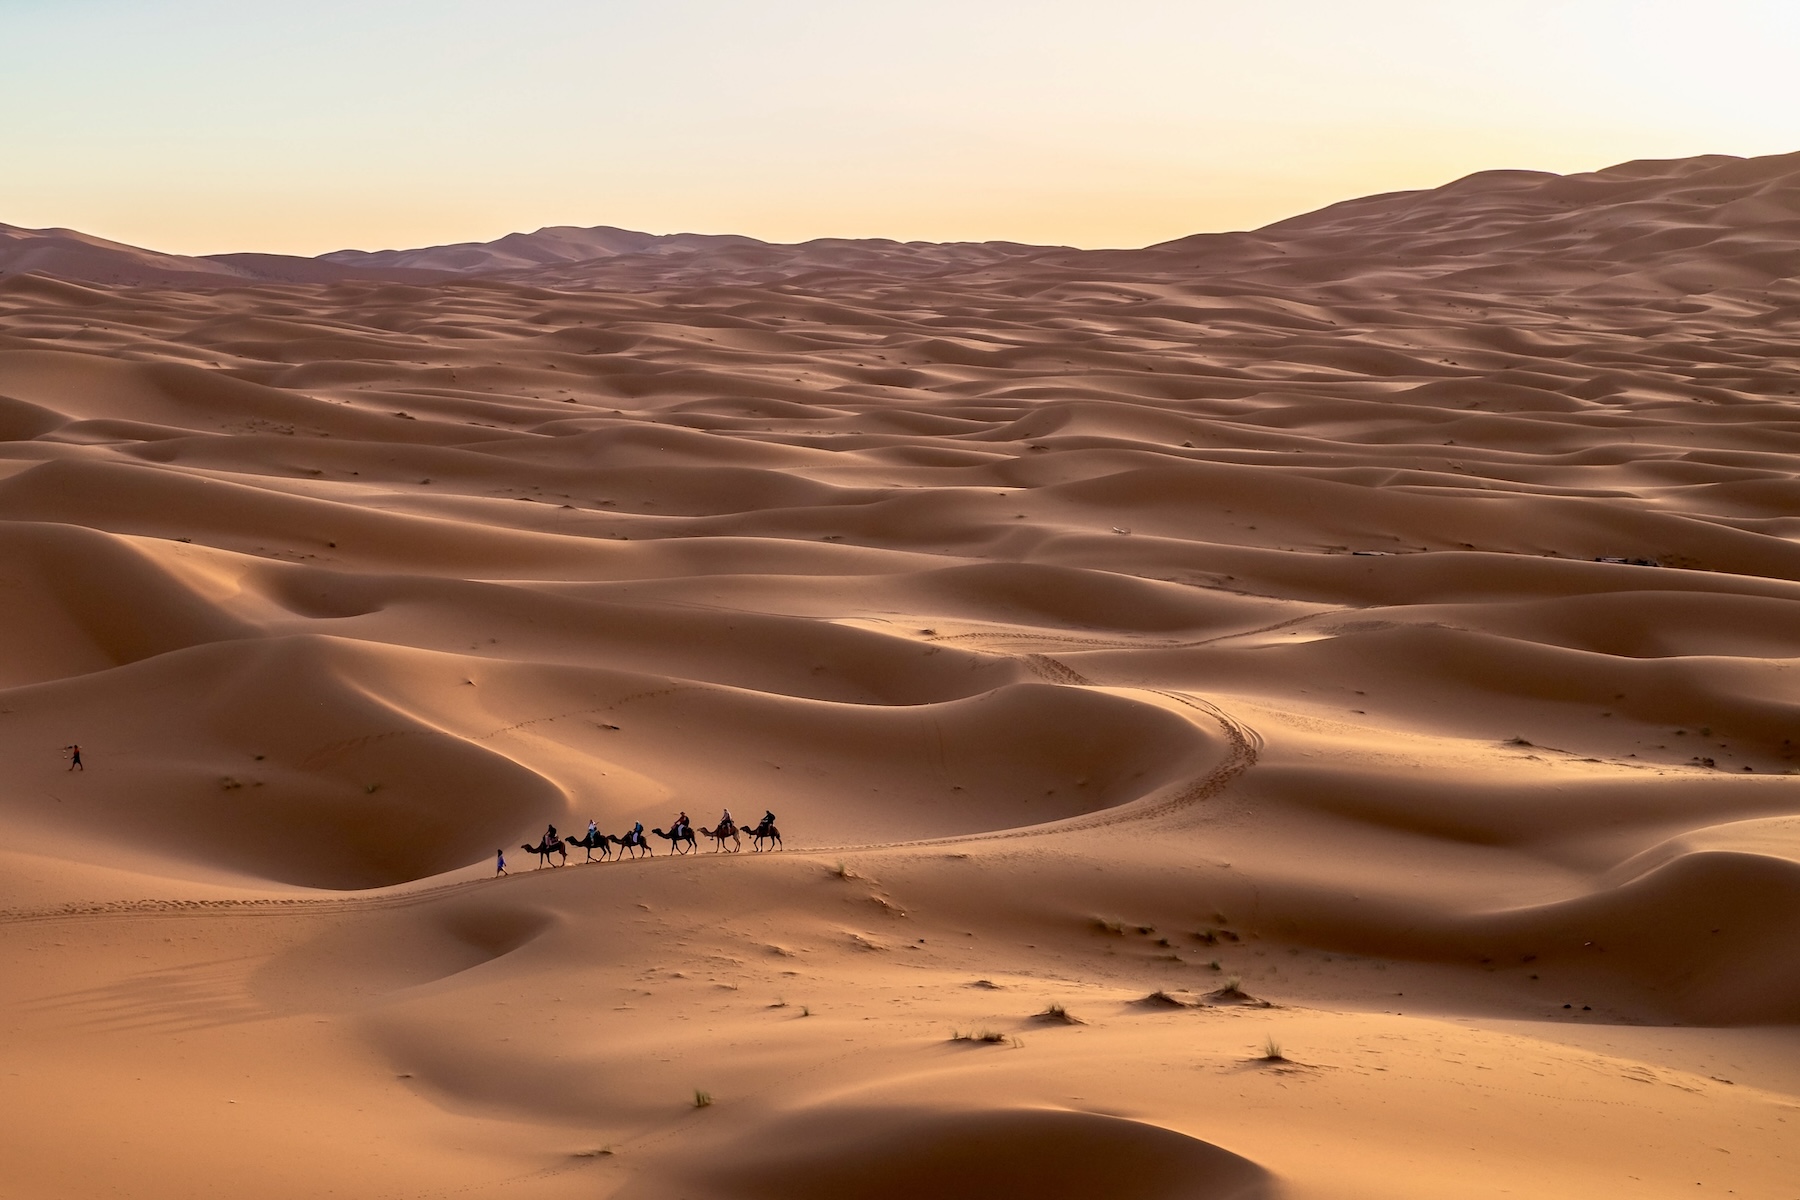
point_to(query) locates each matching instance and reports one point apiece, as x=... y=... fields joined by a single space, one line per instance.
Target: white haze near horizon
x=200 y=126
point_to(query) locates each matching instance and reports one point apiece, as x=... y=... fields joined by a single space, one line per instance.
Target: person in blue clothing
x=499 y=862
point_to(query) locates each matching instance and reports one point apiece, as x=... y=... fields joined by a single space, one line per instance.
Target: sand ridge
x=1389 y=615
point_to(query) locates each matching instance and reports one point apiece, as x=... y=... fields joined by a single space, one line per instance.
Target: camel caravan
x=727 y=837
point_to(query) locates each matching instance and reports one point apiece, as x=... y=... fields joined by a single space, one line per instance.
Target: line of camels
x=633 y=842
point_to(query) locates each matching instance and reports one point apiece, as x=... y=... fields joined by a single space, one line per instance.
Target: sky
x=205 y=126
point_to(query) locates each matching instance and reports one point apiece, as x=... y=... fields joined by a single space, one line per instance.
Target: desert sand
x=1214 y=753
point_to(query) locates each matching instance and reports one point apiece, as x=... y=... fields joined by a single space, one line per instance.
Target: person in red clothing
x=74 y=753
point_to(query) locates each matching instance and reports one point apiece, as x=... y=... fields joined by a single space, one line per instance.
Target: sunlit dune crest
x=1302 y=712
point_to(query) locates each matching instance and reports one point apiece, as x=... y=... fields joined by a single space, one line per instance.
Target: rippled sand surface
x=1348 y=669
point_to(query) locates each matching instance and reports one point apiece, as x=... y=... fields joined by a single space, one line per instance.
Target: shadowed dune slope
x=885 y=1155
x=337 y=763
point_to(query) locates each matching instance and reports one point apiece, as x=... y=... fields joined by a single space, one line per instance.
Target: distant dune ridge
x=66 y=254
x=1303 y=712
x=1707 y=220
x=555 y=244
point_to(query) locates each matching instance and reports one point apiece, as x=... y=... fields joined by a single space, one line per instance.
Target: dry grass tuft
x=1231 y=993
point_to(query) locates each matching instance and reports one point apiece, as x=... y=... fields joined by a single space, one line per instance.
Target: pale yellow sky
x=201 y=126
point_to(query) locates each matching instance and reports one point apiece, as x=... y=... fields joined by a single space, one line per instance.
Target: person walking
x=499 y=863
x=74 y=753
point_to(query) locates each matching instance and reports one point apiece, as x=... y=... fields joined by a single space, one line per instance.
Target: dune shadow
x=905 y=1154
x=381 y=953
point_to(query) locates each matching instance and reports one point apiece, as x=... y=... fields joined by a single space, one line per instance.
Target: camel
x=632 y=841
x=546 y=848
x=592 y=842
x=725 y=832
x=683 y=841
x=765 y=832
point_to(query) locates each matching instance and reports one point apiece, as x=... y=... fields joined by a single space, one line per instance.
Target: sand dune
x=881 y=1154
x=1373 y=634
x=557 y=244
x=67 y=254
